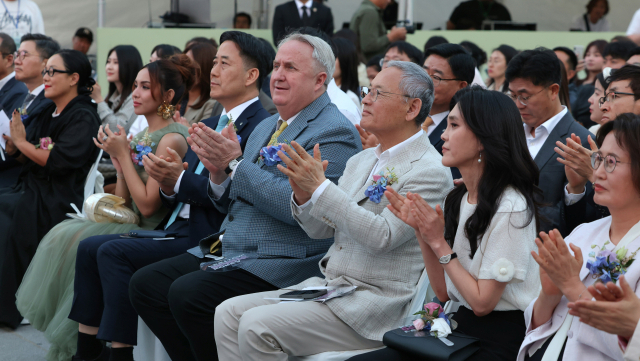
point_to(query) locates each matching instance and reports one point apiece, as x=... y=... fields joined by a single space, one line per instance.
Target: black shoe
x=104 y=355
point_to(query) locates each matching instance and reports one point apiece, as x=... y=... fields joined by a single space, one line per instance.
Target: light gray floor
x=23 y=344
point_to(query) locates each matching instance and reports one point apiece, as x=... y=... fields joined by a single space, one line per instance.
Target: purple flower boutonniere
x=607 y=266
x=141 y=146
x=433 y=319
x=380 y=183
x=23 y=113
x=269 y=154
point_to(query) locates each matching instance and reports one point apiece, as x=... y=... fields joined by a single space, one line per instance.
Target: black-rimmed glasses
x=51 y=72
x=374 y=93
x=610 y=162
x=611 y=96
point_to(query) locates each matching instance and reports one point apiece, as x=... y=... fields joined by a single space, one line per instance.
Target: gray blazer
x=373 y=249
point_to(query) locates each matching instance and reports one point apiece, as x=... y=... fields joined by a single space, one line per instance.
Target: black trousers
x=177 y=301
x=501 y=333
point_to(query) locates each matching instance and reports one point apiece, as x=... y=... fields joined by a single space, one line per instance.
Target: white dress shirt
x=601 y=25
x=437 y=118
x=535 y=143
x=233 y=114
x=381 y=164
x=345 y=104
x=299 y=4
x=6 y=79
x=477 y=79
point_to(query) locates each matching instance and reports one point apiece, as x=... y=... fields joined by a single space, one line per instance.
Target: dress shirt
x=35 y=94
x=437 y=118
x=534 y=143
x=383 y=161
x=299 y=4
x=477 y=79
x=6 y=79
x=218 y=189
x=345 y=104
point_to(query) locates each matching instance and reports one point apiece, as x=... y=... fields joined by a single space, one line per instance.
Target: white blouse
x=504 y=253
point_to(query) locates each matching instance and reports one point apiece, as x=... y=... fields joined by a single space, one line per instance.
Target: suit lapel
x=435 y=136
x=249 y=112
x=306 y=115
x=362 y=179
x=558 y=133
x=296 y=19
x=314 y=14
x=261 y=138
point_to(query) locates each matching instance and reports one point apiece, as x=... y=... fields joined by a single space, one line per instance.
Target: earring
x=480 y=158
x=166 y=110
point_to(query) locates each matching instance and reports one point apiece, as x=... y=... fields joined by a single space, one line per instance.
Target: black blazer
x=204 y=218
x=436 y=140
x=286 y=17
x=11 y=95
x=552 y=176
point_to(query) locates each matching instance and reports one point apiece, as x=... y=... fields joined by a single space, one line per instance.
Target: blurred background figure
x=594 y=19
x=242 y=21
x=373 y=67
x=300 y=13
x=498 y=62
x=346 y=73
x=433 y=41
x=469 y=15
x=198 y=105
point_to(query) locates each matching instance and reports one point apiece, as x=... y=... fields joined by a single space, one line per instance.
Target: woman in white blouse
x=564 y=272
x=595 y=18
x=476 y=252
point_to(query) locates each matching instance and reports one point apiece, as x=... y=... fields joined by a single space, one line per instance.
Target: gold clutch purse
x=105 y=208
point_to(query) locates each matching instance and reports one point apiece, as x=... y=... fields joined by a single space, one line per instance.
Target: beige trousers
x=251 y=328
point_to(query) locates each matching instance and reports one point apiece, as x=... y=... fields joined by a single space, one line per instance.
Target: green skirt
x=46 y=292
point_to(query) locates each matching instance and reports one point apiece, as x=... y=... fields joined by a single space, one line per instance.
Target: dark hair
x=600 y=45
x=627 y=132
x=619 y=38
x=433 y=41
x=76 y=62
x=634 y=51
x=508 y=52
x=573 y=59
x=462 y=64
x=45 y=45
x=240 y=15
x=350 y=35
x=129 y=64
x=495 y=120
x=203 y=55
x=592 y=4
x=178 y=73
x=348 y=57
x=414 y=54
x=564 y=88
x=201 y=39
x=628 y=72
x=375 y=62
x=540 y=66
x=85 y=33
x=604 y=82
x=479 y=55
x=8 y=46
x=165 y=51
x=619 y=49
x=270 y=53
x=252 y=52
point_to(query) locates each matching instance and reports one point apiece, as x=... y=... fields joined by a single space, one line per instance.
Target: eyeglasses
x=609 y=162
x=523 y=100
x=611 y=96
x=374 y=93
x=436 y=79
x=22 y=54
x=51 y=72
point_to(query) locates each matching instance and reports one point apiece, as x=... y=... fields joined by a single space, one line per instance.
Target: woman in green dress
x=46 y=293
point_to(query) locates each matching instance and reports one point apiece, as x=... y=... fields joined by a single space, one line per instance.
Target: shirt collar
x=437 y=118
x=299 y=4
x=6 y=79
x=289 y=121
x=393 y=151
x=237 y=111
x=38 y=90
x=548 y=125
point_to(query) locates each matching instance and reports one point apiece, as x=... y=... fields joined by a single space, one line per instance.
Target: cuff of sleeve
x=570 y=199
x=233 y=172
x=176 y=188
x=166 y=196
x=317 y=193
x=218 y=189
x=103 y=109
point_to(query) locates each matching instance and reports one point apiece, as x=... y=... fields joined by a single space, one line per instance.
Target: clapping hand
x=562 y=268
x=215 y=150
x=165 y=171
x=430 y=221
x=18 y=133
x=116 y=144
x=306 y=173
x=179 y=119
x=368 y=140
x=401 y=207
x=577 y=161
x=616 y=310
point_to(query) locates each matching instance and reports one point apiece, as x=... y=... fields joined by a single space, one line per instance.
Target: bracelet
x=119 y=176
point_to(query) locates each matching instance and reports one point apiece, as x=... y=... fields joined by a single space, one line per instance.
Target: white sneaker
x=25 y=322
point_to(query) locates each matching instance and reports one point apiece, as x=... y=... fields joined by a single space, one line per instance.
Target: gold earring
x=166 y=110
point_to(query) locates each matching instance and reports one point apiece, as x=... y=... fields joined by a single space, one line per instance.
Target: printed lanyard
x=11 y=17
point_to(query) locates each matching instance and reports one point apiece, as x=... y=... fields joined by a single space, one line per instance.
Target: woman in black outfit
x=53 y=176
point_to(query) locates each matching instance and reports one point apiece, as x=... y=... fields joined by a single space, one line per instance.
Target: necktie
x=305 y=16
x=222 y=122
x=427 y=122
x=274 y=137
x=179 y=206
x=27 y=100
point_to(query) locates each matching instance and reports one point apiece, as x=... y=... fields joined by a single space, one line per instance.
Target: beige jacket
x=373 y=249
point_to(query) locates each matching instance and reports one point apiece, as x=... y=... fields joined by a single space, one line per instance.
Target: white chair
x=90 y=183
x=149 y=348
x=423 y=293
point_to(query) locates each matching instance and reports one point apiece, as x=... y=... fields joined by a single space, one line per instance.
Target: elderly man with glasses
x=534 y=84
x=372 y=249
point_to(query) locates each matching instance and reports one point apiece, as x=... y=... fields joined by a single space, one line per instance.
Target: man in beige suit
x=372 y=249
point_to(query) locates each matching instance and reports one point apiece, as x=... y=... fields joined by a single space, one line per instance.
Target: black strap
x=586 y=21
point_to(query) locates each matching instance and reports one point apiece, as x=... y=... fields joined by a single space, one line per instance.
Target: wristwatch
x=233 y=164
x=447 y=258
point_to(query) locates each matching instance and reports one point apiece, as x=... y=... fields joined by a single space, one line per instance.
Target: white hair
x=322 y=53
x=416 y=83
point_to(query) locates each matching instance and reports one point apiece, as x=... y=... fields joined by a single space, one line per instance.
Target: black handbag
x=430 y=348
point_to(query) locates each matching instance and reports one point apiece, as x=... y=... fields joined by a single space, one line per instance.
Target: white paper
x=5 y=128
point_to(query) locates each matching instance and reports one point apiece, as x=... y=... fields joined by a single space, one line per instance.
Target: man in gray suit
x=175 y=297
x=373 y=249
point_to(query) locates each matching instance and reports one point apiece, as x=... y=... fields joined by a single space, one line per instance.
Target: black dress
x=42 y=196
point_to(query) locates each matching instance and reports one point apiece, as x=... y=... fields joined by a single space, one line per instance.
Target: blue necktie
x=178 y=208
x=222 y=122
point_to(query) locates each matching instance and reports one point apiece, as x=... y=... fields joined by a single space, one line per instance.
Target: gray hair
x=416 y=83
x=322 y=53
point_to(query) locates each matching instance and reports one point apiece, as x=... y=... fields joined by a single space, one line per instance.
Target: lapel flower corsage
x=45 y=143
x=433 y=319
x=234 y=127
x=380 y=183
x=23 y=113
x=141 y=147
x=269 y=154
x=607 y=266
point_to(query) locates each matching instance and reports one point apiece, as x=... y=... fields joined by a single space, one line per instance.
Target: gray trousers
x=251 y=328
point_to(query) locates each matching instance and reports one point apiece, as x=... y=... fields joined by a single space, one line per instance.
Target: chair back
x=90 y=183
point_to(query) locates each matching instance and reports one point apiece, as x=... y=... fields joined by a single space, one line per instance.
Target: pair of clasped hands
x=18 y=133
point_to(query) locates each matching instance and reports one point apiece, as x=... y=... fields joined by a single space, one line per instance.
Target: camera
x=406 y=24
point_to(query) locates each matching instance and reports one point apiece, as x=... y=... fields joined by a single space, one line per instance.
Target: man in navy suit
x=11 y=90
x=30 y=60
x=300 y=13
x=103 y=300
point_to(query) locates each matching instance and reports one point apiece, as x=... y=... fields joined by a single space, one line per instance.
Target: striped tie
x=179 y=206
